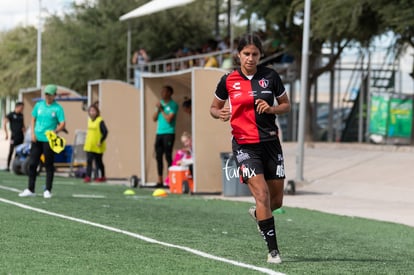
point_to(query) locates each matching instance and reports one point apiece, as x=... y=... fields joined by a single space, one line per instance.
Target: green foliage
x=87 y=45
x=90 y=43
x=17 y=60
x=398 y=17
x=163 y=33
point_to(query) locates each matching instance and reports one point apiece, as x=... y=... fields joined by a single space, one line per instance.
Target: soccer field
x=95 y=229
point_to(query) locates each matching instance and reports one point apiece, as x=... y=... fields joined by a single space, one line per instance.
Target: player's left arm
x=61 y=121
x=282 y=107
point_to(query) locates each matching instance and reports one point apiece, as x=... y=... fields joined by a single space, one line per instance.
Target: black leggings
x=164 y=145
x=14 y=142
x=9 y=157
x=38 y=148
x=90 y=157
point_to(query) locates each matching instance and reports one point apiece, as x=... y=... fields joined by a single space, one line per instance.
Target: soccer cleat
x=87 y=179
x=27 y=193
x=252 y=213
x=274 y=257
x=47 y=194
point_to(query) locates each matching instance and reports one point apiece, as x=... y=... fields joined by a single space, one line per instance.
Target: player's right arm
x=218 y=111
x=5 y=122
x=32 y=123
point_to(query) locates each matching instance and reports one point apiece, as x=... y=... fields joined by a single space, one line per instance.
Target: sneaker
x=87 y=179
x=47 y=194
x=27 y=193
x=103 y=179
x=274 y=257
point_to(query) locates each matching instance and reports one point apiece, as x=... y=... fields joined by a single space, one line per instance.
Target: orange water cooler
x=181 y=181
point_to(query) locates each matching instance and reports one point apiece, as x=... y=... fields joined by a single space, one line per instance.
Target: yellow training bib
x=56 y=143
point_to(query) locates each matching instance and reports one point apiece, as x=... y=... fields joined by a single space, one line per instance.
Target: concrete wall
x=119 y=104
x=152 y=94
x=210 y=136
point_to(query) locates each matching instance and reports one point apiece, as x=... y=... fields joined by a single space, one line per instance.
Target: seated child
x=183 y=156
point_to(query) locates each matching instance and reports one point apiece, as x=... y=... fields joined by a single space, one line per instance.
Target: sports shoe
x=252 y=213
x=87 y=179
x=274 y=257
x=27 y=193
x=47 y=194
x=103 y=179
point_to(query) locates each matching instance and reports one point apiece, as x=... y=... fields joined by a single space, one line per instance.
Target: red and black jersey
x=248 y=126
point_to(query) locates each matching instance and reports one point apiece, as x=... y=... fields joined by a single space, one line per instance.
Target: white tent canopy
x=153 y=7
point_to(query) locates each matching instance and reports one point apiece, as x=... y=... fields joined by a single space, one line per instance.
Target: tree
x=85 y=45
x=163 y=33
x=90 y=42
x=17 y=60
x=398 y=16
x=338 y=24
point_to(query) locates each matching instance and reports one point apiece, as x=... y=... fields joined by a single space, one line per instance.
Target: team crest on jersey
x=264 y=83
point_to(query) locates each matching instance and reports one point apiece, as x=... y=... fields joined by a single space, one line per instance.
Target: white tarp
x=152 y=7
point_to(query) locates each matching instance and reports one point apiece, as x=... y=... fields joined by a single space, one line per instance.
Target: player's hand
x=159 y=106
x=262 y=107
x=225 y=114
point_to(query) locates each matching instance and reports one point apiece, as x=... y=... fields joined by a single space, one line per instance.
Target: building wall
x=119 y=104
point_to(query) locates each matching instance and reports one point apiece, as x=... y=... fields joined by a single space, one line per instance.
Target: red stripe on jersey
x=243 y=118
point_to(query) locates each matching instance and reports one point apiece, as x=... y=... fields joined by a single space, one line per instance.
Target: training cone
x=129 y=192
x=159 y=193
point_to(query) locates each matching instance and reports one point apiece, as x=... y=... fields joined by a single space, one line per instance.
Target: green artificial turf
x=87 y=238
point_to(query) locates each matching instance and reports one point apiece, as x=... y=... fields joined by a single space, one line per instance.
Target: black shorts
x=259 y=158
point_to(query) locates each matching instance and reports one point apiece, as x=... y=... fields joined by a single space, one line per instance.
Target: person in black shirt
x=15 y=119
x=256 y=95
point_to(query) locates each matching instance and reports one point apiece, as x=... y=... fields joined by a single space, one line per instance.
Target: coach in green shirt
x=46 y=115
x=165 y=115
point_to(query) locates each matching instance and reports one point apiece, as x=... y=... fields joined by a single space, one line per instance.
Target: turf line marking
x=10 y=189
x=150 y=240
x=88 y=196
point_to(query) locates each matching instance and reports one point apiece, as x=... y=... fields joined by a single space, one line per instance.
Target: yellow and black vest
x=93 y=137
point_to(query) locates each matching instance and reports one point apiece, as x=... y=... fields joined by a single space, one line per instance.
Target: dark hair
x=19 y=103
x=186 y=103
x=95 y=106
x=169 y=89
x=250 y=39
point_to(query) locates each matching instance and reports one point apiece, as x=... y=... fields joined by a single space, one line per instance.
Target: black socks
x=268 y=231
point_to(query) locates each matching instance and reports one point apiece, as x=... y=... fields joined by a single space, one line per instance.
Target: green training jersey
x=165 y=127
x=47 y=117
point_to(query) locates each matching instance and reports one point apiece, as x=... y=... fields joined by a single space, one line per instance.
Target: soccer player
x=16 y=121
x=256 y=95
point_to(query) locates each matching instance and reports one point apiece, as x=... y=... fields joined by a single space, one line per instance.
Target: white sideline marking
x=91 y=196
x=10 y=189
x=137 y=236
x=88 y=196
